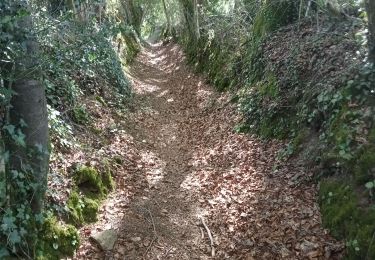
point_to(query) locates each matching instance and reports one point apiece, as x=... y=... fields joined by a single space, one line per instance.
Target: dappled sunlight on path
x=190 y=165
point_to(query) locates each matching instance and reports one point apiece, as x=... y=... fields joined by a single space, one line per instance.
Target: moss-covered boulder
x=93 y=183
x=91 y=186
x=57 y=240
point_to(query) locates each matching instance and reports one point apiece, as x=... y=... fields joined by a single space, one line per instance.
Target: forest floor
x=185 y=173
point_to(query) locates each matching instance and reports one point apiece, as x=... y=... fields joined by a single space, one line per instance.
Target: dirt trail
x=190 y=165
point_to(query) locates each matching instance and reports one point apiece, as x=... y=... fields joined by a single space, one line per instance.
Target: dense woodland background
x=299 y=70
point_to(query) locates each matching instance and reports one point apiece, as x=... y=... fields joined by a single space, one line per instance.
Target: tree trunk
x=71 y=5
x=196 y=20
x=370 y=5
x=168 y=18
x=190 y=11
x=132 y=14
x=28 y=117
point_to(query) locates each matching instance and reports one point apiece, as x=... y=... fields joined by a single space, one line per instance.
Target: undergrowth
x=323 y=106
x=77 y=59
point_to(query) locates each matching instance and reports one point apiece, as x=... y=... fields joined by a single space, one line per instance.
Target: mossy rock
x=57 y=240
x=107 y=179
x=92 y=183
x=82 y=209
x=90 y=210
x=91 y=188
x=346 y=219
x=75 y=205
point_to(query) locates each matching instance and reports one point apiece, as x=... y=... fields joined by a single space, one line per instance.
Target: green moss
x=338 y=206
x=371 y=135
x=82 y=209
x=91 y=188
x=342 y=134
x=90 y=182
x=107 y=180
x=101 y=100
x=80 y=115
x=75 y=205
x=299 y=139
x=132 y=45
x=364 y=169
x=339 y=127
x=269 y=87
x=345 y=218
x=97 y=130
x=90 y=210
x=57 y=240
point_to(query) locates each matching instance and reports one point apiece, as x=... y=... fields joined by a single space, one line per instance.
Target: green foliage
x=107 y=178
x=90 y=181
x=364 y=169
x=90 y=188
x=81 y=63
x=329 y=99
x=272 y=15
x=80 y=115
x=259 y=103
x=346 y=219
x=61 y=133
x=57 y=241
x=77 y=59
x=82 y=209
x=75 y=205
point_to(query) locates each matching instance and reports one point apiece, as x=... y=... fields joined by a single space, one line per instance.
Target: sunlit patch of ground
x=184 y=164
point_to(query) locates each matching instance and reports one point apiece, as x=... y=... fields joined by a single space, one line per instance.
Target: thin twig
x=202 y=233
x=210 y=237
x=154 y=231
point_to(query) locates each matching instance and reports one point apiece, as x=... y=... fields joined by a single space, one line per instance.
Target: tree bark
x=190 y=10
x=168 y=17
x=370 y=6
x=196 y=20
x=28 y=116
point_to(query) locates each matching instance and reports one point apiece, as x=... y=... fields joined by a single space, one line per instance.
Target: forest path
x=191 y=165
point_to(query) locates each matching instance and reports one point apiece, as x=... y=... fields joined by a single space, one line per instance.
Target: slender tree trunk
x=71 y=5
x=132 y=15
x=196 y=20
x=28 y=117
x=370 y=5
x=168 y=17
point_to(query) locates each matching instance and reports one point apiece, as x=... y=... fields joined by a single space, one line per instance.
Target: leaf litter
x=181 y=164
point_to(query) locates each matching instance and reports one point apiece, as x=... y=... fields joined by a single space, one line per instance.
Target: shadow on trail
x=191 y=164
x=163 y=215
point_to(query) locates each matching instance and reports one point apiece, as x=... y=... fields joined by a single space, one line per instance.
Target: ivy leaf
x=8 y=223
x=369 y=185
x=14 y=237
x=10 y=129
x=20 y=138
x=3 y=252
x=23 y=123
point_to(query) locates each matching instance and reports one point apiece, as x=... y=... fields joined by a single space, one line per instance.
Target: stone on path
x=106 y=239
